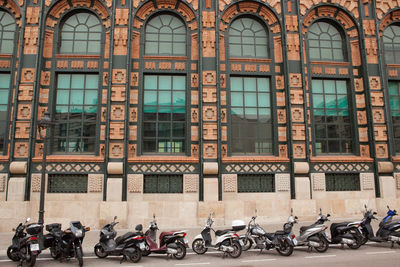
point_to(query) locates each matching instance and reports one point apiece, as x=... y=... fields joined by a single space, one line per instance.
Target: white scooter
x=226 y=240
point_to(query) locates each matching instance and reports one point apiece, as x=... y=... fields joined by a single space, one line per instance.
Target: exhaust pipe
x=394 y=238
x=348 y=241
x=313 y=244
x=226 y=248
x=171 y=251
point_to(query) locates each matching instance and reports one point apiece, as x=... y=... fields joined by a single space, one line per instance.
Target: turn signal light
x=33 y=238
x=138 y=237
x=236 y=235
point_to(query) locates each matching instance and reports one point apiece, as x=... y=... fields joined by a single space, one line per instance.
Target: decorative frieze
x=255 y=168
x=95 y=183
x=318 y=181
x=191 y=183
x=367 y=181
x=135 y=183
x=282 y=182
x=163 y=168
x=342 y=167
x=230 y=183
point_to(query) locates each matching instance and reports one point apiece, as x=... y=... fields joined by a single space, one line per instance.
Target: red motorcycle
x=171 y=243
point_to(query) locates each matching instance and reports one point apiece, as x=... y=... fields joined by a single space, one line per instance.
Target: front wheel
x=198 y=246
x=237 y=249
x=79 y=256
x=247 y=242
x=364 y=237
x=323 y=245
x=12 y=254
x=32 y=260
x=99 y=251
x=136 y=256
x=284 y=248
x=181 y=251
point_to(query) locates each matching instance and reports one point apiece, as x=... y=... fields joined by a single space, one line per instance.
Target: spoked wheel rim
x=246 y=243
x=237 y=250
x=136 y=256
x=99 y=251
x=198 y=246
x=285 y=249
x=181 y=251
x=323 y=245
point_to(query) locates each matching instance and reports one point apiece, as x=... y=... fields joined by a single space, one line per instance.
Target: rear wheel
x=357 y=237
x=136 y=256
x=198 y=246
x=181 y=251
x=247 y=242
x=12 y=254
x=32 y=260
x=237 y=250
x=323 y=245
x=284 y=248
x=99 y=251
x=364 y=238
x=79 y=256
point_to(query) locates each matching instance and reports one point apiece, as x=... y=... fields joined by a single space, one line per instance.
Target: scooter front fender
x=198 y=236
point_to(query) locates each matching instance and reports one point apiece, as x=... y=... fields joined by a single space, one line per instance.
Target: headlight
x=79 y=233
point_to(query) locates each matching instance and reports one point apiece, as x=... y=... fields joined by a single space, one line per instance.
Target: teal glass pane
x=179 y=49
x=165 y=48
x=92 y=82
x=90 y=97
x=317 y=86
x=63 y=80
x=178 y=98
x=149 y=109
x=318 y=101
x=3 y=108
x=62 y=97
x=81 y=35
x=237 y=111
x=251 y=113
x=263 y=85
x=235 y=50
x=78 y=81
x=331 y=112
x=236 y=99
x=250 y=84
x=341 y=87
x=150 y=82
x=91 y=109
x=164 y=98
x=164 y=110
x=4 y=80
x=151 y=36
x=150 y=98
x=395 y=113
x=319 y=112
x=330 y=101
x=7 y=46
x=151 y=48
x=344 y=112
x=394 y=103
x=3 y=97
x=329 y=86
x=264 y=115
x=66 y=47
x=250 y=100
x=179 y=82
x=94 y=47
x=80 y=47
x=164 y=82
x=77 y=97
x=264 y=100
x=62 y=109
x=179 y=110
x=393 y=89
x=342 y=101
x=236 y=84
x=76 y=109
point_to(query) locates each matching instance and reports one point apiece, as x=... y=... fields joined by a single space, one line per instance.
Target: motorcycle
x=226 y=240
x=171 y=243
x=389 y=231
x=346 y=233
x=66 y=244
x=128 y=245
x=314 y=235
x=25 y=248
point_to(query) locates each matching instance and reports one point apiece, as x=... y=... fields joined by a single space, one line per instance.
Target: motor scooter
x=389 y=230
x=127 y=245
x=346 y=233
x=171 y=243
x=226 y=240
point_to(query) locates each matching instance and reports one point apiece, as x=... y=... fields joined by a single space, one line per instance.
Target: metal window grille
x=248 y=183
x=67 y=183
x=163 y=184
x=342 y=182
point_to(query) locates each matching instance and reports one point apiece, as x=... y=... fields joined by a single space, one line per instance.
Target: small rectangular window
x=342 y=182
x=256 y=183
x=67 y=183
x=163 y=184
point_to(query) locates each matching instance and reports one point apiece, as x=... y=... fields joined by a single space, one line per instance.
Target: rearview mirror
x=28 y=219
x=374 y=213
x=295 y=217
x=154 y=216
x=139 y=227
x=115 y=217
x=328 y=215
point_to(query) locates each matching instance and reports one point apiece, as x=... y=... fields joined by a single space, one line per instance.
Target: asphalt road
x=371 y=254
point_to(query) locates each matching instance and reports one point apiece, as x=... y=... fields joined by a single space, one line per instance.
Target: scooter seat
x=336 y=225
x=163 y=234
x=122 y=238
x=222 y=232
x=280 y=232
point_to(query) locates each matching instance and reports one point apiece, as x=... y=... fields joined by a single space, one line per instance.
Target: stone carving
x=31 y=37
x=208 y=43
x=210 y=113
x=135 y=183
x=210 y=151
x=397 y=179
x=3 y=178
x=367 y=181
x=318 y=181
x=282 y=182
x=36 y=179
x=95 y=183
x=163 y=168
x=230 y=182
x=190 y=183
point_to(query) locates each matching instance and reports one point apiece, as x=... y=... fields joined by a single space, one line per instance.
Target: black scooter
x=346 y=233
x=25 y=247
x=128 y=245
x=389 y=231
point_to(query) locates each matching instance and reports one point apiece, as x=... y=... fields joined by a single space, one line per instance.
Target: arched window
x=391 y=44
x=248 y=38
x=165 y=36
x=7 y=33
x=325 y=42
x=81 y=34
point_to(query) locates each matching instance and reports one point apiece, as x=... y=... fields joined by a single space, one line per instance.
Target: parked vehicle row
x=67 y=244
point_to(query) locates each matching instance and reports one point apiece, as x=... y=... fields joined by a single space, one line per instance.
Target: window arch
x=325 y=42
x=248 y=38
x=7 y=33
x=165 y=35
x=81 y=34
x=391 y=44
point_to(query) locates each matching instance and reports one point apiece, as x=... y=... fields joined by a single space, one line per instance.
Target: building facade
x=179 y=107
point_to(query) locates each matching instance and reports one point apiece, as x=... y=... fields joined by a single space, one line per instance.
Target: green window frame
x=342 y=182
x=325 y=42
x=391 y=44
x=75 y=113
x=4 y=96
x=165 y=36
x=248 y=39
x=256 y=183
x=394 y=100
x=163 y=184
x=81 y=34
x=251 y=126
x=67 y=183
x=331 y=117
x=8 y=28
x=164 y=114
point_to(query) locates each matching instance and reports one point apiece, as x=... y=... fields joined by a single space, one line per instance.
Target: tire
x=284 y=248
x=137 y=255
x=358 y=238
x=364 y=238
x=55 y=253
x=247 y=243
x=237 y=250
x=198 y=246
x=12 y=254
x=32 y=259
x=79 y=256
x=323 y=245
x=99 y=251
x=181 y=251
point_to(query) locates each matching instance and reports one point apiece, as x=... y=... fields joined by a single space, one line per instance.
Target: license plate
x=294 y=242
x=34 y=247
x=241 y=242
x=185 y=240
x=142 y=246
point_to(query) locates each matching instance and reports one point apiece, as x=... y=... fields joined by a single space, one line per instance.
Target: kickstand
x=392 y=246
x=225 y=255
x=261 y=251
x=123 y=259
x=309 y=249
